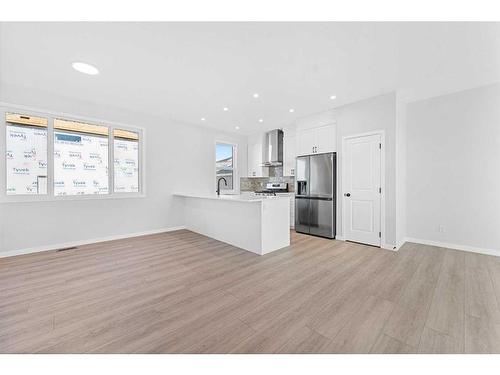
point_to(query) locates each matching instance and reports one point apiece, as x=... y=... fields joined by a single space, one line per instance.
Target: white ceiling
x=187 y=71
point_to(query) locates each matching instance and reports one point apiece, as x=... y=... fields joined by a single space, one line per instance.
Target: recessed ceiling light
x=85 y=68
x=261 y=120
x=237 y=127
x=256 y=95
x=333 y=97
x=225 y=109
x=291 y=110
x=203 y=119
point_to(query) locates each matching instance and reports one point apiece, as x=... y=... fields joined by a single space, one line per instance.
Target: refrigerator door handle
x=322 y=198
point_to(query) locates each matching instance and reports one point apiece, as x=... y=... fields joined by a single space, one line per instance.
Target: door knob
x=347 y=194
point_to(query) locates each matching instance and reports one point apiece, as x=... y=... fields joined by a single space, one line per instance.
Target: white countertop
x=246 y=198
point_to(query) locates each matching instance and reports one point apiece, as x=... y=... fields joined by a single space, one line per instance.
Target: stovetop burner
x=266 y=193
x=273 y=188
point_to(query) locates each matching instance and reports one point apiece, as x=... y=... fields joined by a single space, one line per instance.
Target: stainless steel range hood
x=273 y=149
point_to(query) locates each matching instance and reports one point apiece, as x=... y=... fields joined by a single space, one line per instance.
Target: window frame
x=50 y=116
x=236 y=179
x=3 y=162
x=139 y=160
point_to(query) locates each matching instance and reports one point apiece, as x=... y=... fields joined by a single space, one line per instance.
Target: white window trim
x=236 y=179
x=50 y=197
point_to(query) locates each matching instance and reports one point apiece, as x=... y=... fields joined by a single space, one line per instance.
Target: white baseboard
x=383 y=246
x=387 y=246
x=85 y=242
x=472 y=249
x=400 y=243
x=162 y=230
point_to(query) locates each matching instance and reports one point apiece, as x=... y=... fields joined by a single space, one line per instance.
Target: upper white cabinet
x=317 y=140
x=326 y=139
x=289 y=153
x=306 y=141
x=255 y=156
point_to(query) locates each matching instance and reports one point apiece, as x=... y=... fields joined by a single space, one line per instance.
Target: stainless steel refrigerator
x=315 y=194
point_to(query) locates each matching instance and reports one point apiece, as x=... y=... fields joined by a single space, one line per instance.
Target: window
x=224 y=165
x=80 y=158
x=126 y=161
x=26 y=154
x=54 y=157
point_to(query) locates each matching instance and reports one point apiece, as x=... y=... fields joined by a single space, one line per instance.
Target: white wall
x=378 y=113
x=179 y=157
x=401 y=168
x=317 y=119
x=454 y=169
x=442 y=169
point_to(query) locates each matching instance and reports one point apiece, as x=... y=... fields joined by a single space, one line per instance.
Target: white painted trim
x=86 y=242
x=387 y=246
x=380 y=132
x=399 y=244
x=236 y=178
x=472 y=249
x=382 y=246
x=45 y=112
x=50 y=197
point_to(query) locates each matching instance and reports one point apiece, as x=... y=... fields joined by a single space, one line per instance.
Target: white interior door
x=362 y=189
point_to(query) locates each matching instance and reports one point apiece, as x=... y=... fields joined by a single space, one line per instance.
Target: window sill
x=30 y=199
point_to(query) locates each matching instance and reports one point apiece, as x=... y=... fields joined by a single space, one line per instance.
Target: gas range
x=272 y=188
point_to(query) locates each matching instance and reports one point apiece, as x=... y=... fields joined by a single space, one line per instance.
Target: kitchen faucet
x=218 y=185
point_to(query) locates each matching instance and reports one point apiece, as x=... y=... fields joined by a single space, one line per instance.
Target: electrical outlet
x=441 y=229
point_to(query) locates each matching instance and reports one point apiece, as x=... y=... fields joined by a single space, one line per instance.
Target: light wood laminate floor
x=181 y=292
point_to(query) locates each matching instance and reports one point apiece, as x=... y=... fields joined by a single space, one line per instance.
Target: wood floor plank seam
x=465 y=306
x=181 y=292
x=411 y=349
x=383 y=332
x=431 y=299
x=383 y=329
x=493 y=287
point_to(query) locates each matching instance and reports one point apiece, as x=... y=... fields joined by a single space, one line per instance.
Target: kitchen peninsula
x=257 y=224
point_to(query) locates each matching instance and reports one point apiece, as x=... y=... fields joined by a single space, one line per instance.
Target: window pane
x=224 y=165
x=26 y=154
x=80 y=158
x=126 y=161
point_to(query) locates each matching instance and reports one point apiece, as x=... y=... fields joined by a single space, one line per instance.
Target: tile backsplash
x=259 y=183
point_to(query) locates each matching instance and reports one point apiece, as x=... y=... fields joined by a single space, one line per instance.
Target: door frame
x=381 y=133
